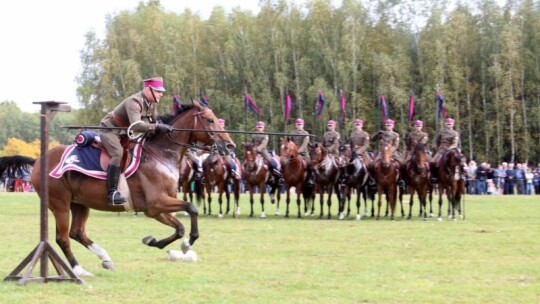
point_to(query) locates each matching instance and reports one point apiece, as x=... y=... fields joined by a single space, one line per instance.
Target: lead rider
x=138 y=113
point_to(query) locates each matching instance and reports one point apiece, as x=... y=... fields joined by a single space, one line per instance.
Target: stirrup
x=116 y=198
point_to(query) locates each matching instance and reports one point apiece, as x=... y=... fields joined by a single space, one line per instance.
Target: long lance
x=190 y=130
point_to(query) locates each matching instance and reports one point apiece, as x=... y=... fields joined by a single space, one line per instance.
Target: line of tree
x=482 y=57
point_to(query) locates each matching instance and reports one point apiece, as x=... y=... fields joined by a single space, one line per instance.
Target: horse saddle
x=93 y=159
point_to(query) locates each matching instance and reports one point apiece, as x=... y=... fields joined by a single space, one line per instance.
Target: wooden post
x=44 y=250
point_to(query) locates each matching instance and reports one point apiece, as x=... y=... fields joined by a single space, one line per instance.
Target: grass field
x=491 y=257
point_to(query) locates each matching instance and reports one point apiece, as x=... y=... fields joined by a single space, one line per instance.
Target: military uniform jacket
x=416 y=137
x=390 y=137
x=359 y=141
x=134 y=111
x=260 y=141
x=446 y=138
x=331 y=142
x=301 y=141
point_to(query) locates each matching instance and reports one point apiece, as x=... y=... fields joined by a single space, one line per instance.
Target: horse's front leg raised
x=170 y=220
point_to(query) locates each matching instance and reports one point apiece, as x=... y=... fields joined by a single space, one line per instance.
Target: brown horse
x=152 y=188
x=186 y=179
x=217 y=174
x=450 y=180
x=256 y=174
x=418 y=178
x=326 y=170
x=386 y=175
x=353 y=176
x=294 y=173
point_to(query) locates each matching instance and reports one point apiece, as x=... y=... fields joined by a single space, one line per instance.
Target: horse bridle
x=197 y=115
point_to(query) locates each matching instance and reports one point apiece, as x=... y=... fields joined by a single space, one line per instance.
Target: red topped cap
x=358 y=122
x=221 y=122
x=259 y=124
x=331 y=123
x=418 y=123
x=299 y=121
x=449 y=121
x=389 y=122
x=155 y=83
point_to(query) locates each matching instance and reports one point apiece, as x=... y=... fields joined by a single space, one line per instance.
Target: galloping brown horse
x=386 y=174
x=256 y=174
x=294 y=173
x=326 y=171
x=418 y=178
x=152 y=188
x=450 y=180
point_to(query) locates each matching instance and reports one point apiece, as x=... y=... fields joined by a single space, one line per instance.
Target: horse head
x=317 y=153
x=250 y=156
x=419 y=158
x=386 y=154
x=199 y=117
x=288 y=149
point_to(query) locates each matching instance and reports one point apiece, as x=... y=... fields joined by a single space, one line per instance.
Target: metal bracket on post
x=44 y=251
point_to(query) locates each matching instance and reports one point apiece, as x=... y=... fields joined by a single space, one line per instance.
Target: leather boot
x=115 y=197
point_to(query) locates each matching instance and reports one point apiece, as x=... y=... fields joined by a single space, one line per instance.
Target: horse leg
x=77 y=232
x=209 y=192
x=392 y=200
x=236 y=193
x=250 y=189
x=401 y=190
x=287 y=200
x=379 y=203
x=227 y=196
x=341 y=201
x=262 y=187
x=220 y=201
x=441 y=193
x=321 y=201
x=412 y=190
x=298 y=203
x=61 y=216
x=329 y=201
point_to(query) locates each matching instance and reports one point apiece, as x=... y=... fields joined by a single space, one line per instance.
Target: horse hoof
x=80 y=272
x=220 y=215
x=358 y=217
x=148 y=240
x=263 y=215
x=108 y=265
x=439 y=219
x=185 y=246
x=341 y=216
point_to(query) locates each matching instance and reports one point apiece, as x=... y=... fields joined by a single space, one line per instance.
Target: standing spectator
x=520 y=179
x=529 y=176
x=481 y=179
x=510 y=179
x=536 y=180
x=471 y=177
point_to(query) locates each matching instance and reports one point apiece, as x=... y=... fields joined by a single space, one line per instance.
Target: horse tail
x=307 y=192
x=198 y=190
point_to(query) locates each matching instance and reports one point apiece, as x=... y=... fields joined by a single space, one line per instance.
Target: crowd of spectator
x=506 y=179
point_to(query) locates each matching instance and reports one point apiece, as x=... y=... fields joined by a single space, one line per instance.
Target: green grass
x=491 y=257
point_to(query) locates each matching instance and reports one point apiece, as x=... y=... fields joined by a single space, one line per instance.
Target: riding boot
x=433 y=173
x=115 y=197
x=198 y=172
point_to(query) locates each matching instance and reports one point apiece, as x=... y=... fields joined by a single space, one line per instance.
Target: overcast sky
x=42 y=40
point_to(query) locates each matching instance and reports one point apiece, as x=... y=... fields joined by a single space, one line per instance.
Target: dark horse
x=256 y=174
x=417 y=174
x=326 y=170
x=450 y=180
x=386 y=174
x=152 y=188
x=217 y=174
x=186 y=179
x=353 y=176
x=294 y=173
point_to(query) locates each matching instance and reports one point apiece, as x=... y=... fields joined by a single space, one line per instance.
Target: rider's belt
x=118 y=121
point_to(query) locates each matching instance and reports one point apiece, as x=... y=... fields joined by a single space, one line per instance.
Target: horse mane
x=15 y=164
x=170 y=117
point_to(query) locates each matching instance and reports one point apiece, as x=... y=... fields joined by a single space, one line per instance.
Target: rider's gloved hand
x=163 y=128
